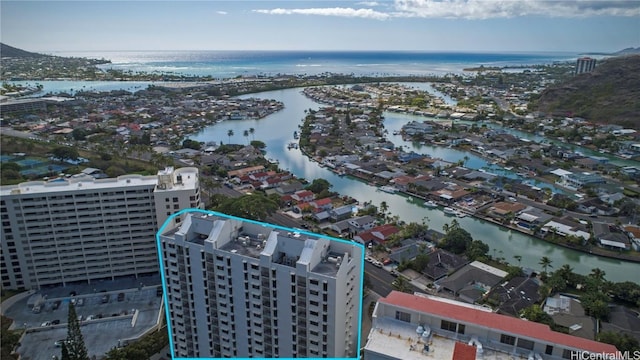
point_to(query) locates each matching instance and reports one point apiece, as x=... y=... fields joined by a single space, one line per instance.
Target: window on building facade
x=403 y=316
x=525 y=344
x=507 y=339
x=549 y=350
x=448 y=325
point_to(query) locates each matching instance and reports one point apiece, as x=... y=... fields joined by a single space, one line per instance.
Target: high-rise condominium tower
x=80 y=230
x=243 y=289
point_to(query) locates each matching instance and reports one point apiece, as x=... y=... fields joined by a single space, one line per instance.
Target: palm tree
x=384 y=207
x=252 y=132
x=597 y=274
x=518 y=257
x=230 y=134
x=545 y=262
x=246 y=134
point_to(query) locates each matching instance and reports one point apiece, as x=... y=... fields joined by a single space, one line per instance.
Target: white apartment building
x=80 y=230
x=237 y=288
x=407 y=326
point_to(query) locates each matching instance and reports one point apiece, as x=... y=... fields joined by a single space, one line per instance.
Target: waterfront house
x=531 y=218
x=377 y=235
x=503 y=210
x=609 y=236
x=441 y=263
x=341 y=213
x=303 y=196
x=362 y=223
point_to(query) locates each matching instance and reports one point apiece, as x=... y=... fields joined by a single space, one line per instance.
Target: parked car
x=46 y=323
x=55 y=322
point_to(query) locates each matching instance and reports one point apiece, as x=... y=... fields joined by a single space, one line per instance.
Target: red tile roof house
x=378 y=234
x=441 y=323
x=322 y=204
x=303 y=196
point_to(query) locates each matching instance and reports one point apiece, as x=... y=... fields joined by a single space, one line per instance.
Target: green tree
x=622 y=341
x=65 y=153
x=518 y=258
x=535 y=313
x=457 y=241
x=254 y=206
x=258 y=144
x=75 y=341
x=319 y=185
x=191 y=144
x=545 y=262
x=477 y=250
x=246 y=135
x=252 y=132
x=230 y=134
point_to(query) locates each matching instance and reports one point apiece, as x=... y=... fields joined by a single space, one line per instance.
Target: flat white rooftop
x=400 y=340
x=188 y=180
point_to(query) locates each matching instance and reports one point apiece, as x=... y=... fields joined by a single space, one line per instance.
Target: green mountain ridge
x=608 y=95
x=7 y=51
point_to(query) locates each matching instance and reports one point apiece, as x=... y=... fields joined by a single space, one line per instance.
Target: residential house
x=471 y=282
x=609 y=236
x=303 y=196
x=503 y=210
x=515 y=295
x=569 y=313
x=442 y=263
x=341 y=213
x=377 y=235
x=362 y=223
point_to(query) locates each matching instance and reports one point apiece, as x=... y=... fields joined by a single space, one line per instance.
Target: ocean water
x=228 y=64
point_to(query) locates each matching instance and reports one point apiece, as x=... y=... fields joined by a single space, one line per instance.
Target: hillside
x=7 y=51
x=608 y=95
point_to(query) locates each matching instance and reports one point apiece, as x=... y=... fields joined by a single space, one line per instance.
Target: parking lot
x=109 y=317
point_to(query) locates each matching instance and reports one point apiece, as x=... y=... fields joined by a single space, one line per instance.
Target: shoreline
x=600 y=252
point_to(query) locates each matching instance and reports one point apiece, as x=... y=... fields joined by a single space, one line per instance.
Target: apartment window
x=448 y=325
x=507 y=339
x=549 y=350
x=403 y=316
x=525 y=344
x=568 y=354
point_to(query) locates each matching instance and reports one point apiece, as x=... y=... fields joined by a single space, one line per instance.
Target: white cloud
x=475 y=9
x=341 y=12
x=484 y=9
x=221 y=12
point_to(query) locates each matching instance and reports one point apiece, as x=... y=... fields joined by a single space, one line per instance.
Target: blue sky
x=414 y=25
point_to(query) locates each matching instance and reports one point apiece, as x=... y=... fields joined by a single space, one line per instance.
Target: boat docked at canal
x=388 y=189
x=450 y=211
x=430 y=204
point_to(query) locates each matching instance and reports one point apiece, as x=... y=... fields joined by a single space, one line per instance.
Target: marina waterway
x=276 y=131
